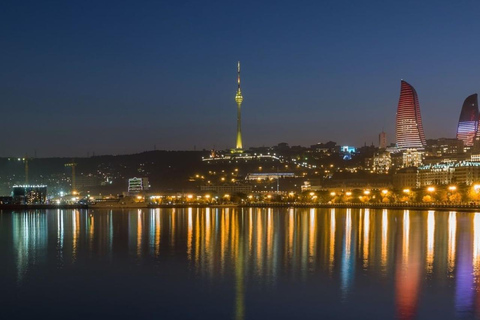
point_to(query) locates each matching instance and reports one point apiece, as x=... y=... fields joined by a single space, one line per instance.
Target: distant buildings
x=138 y=185
x=444 y=146
x=382 y=140
x=409 y=127
x=229 y=189
x=269 y=175
x=468 y=121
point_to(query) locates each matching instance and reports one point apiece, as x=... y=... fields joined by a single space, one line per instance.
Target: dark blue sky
x=115 y=77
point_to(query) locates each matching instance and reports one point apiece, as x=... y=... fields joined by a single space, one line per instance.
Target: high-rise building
x=409 y=127
x=382 y=140
x=239 y=100
x=468 y=121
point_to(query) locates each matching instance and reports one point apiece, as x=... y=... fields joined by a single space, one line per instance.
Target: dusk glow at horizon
x=113 y=78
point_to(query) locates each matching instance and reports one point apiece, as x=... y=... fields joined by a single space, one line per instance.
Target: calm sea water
x=239 y=264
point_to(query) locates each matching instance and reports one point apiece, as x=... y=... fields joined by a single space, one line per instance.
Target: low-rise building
x=462 y=172
x=406 y=178
x=29 y=194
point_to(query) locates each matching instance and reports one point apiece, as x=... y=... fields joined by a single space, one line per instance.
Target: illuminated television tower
x=239 y=100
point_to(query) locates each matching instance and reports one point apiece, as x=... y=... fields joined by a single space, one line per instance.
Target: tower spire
x=239 y=100
x=238 y=76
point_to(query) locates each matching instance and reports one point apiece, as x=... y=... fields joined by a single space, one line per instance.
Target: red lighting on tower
x=409 y=127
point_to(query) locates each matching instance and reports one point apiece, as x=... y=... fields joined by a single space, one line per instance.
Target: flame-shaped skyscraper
x=468 y=122
x=409 y=127
x=239 y=100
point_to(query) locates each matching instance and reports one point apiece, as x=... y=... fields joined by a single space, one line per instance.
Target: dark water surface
x=239 y=264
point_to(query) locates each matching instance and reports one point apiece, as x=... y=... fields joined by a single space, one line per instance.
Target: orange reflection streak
x=250 y=231
x=476 y=260
x=331 y=258
x=430 y=240
x=91 y=230
x=222 y=241
x=407 y=279
x=197 y=243
x=269 y=258
x=172 y=228
x=228 y=231
x=157 y=232
x=384 y=238
x=452 y=235
x=258 y=236
x=366 y=233
x=304 y=246
x=312 y=235
x=76 y=233
x=239 y=277
x=189 y=234
x=208 y=232
x=139 y=232
x=406 y=235
x=290 y=235
x=476 y=246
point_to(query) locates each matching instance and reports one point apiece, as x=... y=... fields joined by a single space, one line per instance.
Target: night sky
x=115 y=77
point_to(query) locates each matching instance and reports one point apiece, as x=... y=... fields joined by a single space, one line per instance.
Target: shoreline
x=420 y=206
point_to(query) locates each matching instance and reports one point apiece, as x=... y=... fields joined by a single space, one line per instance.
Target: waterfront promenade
x=406 y=206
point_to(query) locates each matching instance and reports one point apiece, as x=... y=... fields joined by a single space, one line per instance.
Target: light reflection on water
x=391 y=254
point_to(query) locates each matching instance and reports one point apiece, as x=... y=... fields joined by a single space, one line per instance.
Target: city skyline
x=81 y=78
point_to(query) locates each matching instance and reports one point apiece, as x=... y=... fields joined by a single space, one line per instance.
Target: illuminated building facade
x=412 y=158
x=409 y=127
x=462 y=172
x=382 y=162
x=468 y=121
x=29 y=194
x=239 y=100
x=137 y=185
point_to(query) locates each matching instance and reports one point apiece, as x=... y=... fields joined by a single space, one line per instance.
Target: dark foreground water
x=239 y=264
